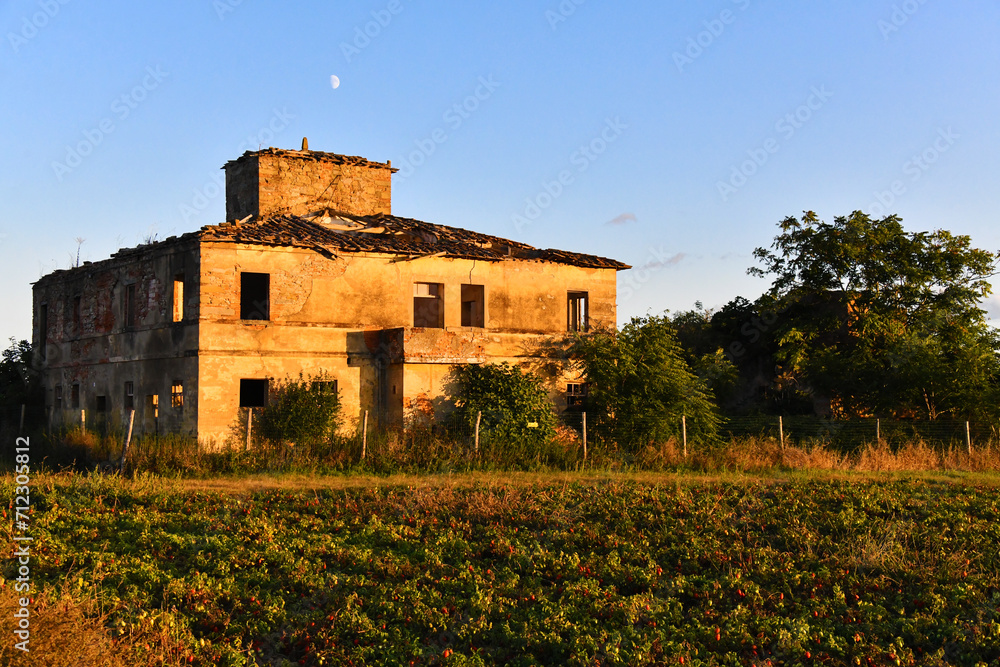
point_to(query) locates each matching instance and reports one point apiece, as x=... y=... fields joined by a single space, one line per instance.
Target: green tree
x=19 y=382
x=303 y=410
x=641 y=385
x=881 y=320
x=515 y=405
x=704 y=347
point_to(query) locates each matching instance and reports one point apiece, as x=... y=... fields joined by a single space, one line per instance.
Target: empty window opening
x=130 y=314
x=43 y=329
x=578 y=311
x=576 y=394
x=253 y=393
x=129 y=397
x=255 y=296
x=74 y=396
x=179 y=297
x=325 y=386
x=58 y=397
x=153 y=406
x=101 y=404
x=77 y=305
x=428 y=305
x=473 y=306
x=177 y=394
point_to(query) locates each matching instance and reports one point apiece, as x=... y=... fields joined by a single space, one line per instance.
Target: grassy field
x=720 y=568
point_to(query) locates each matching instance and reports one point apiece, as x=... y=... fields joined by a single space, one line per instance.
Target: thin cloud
x=622 y=219
x=664 y=263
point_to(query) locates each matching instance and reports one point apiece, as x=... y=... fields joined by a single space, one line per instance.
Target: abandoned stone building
x=312 y=272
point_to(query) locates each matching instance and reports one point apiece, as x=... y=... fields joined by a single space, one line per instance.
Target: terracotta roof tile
x=332 y=233
x=317 y=156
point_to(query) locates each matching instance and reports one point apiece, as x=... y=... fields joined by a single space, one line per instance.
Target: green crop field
x=589 y=572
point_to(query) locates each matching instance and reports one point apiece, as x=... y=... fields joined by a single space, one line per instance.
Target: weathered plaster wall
x=264 y=184
x=321 y=308
x=100 y=353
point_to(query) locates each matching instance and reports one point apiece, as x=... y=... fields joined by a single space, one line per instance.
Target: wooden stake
x=479 y=417
x=968 y=438
x=878 y=430
x=684 y=433
x=781 y=431
x=83 y=420
x=364 y=437
x=585 y=437
x=128 y=439
x=249 y=426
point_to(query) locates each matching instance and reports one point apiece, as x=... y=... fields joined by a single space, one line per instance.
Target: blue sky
x=672 y=136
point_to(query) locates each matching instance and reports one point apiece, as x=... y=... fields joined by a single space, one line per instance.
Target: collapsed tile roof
x=332 y=233
x=315 y=156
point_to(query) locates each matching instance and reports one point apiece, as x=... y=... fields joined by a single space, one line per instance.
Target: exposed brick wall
x=263 y=184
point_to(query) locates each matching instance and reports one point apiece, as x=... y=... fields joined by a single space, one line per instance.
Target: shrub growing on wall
x=516 y=407
x=302 y=410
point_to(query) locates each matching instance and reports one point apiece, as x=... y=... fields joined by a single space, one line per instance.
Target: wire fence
x=578 y=438
x=846 y=435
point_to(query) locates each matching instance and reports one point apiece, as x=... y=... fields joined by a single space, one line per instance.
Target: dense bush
x=517 y=411
x=303 y=410
x=641 y=386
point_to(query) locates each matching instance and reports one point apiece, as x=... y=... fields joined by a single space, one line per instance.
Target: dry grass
x=68 y=629
x=763 y=454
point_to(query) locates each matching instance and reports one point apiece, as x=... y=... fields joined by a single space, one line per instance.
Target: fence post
x=364 y=437
x=781 y=431
x=684 y=434
x=968 y=438
x=128 y=439
x=878 y=431
x=20 y=429
x=249 y=426
x=83 y=420
x=479 y=417
x=584 y=437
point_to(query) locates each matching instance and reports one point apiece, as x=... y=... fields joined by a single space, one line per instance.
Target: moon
x=334 y=80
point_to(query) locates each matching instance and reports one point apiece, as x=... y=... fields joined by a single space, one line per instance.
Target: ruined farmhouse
x=311 y=272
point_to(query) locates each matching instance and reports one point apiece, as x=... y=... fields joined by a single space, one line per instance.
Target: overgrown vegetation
x=19 y=386
x=517 y=415
x=503 y=574
x=641 y=386
x=302 y=411
x=862 y=319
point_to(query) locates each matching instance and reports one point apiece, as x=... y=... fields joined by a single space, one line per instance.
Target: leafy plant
x=515 y=405
x=303 y=410
x=641 y=386
x=883 y=321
